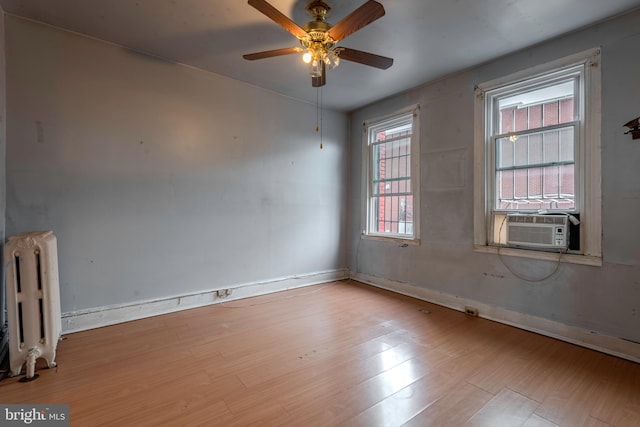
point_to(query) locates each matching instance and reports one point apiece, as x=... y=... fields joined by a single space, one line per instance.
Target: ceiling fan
x=318 y=38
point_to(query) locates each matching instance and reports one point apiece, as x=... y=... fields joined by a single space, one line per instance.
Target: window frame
x=587 y=157
x=368 y=170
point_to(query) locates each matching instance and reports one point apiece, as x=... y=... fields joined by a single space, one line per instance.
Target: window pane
x=506 y=120
x=566 y=110
x=535 y=149
x=551 y=182
x=535 y=116
x=521 y=119
x=405 y=224
x=395 y=165
x=566 y=140
x=520 y=184
x=534 y=181
x=550 y=147
x=505 y=184
x=567 y=187
x=550 y=114
x=504 y=149
x=521 y=151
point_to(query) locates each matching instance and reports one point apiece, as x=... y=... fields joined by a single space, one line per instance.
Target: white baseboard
x=582 y=337
x=103 y=316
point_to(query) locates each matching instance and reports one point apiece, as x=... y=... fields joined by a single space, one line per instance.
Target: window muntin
x=391 y=195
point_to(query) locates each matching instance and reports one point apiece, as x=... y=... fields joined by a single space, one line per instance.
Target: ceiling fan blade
x=271 y=53
x=365 y=58
x=276 y=16
x=359 y=18
x=320 y=81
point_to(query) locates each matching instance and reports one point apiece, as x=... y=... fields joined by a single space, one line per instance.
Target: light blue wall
x=603 y=299
x=162 y=180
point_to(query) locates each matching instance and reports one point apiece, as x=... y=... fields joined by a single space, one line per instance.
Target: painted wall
x=603 y=299
x=161 y=180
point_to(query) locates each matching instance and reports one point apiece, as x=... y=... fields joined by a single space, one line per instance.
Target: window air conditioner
x=538 y=231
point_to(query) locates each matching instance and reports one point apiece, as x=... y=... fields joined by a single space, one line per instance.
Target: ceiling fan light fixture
x=316 y=68
x=306 y=57
x=331 y=59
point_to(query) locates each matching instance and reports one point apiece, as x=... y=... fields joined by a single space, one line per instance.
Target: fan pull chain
x=321 y=118
x=319 y=113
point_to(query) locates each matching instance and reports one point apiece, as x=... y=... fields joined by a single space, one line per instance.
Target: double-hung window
x=537 y=150
x=391 y=153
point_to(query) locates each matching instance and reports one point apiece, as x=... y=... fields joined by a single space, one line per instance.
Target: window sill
x=391 y=239
x=593 y=261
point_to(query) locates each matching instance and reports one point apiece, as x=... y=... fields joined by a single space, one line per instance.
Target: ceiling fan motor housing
x=317 y=32
x=318 y=9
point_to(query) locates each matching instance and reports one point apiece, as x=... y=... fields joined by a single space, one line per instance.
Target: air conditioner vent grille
x=538 y=231
x=537 y=219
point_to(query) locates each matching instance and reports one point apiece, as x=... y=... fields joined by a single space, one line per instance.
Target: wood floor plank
x=340 y=353
x=594 y=422
x=314 y=380
x=578 y=388
x=537 y=421
x=617 y=401
x=335 y=404
x=512 y=366
x=402 y=406
x=453 y=408
x=507 y=408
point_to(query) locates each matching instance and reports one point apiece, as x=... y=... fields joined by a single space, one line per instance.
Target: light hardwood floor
x=340 y=353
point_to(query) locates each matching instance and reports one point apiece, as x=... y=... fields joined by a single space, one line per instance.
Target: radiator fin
x=20 y=325
x=16 y=264
x=38 y=270
x=41 y=318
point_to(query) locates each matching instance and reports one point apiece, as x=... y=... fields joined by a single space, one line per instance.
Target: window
x=538 y=151
x=392 y=176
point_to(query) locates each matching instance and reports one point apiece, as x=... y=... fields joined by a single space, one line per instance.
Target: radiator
x=33 y=300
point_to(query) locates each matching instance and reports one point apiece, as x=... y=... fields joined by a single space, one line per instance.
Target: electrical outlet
x=471 y=311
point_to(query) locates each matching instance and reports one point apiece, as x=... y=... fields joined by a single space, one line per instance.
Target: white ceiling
x=426 y=38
